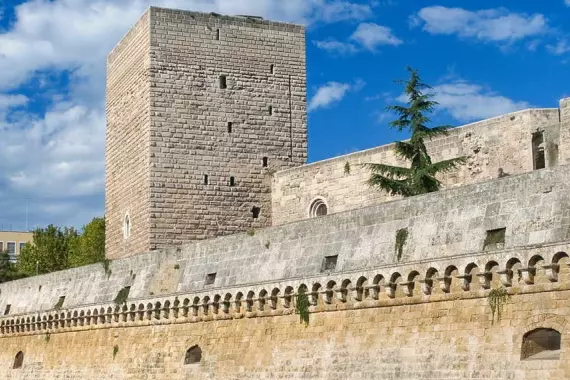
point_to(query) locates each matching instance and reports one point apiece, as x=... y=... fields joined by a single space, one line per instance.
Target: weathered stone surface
x=169 y=82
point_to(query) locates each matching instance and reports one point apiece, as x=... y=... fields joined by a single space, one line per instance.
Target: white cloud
x=567 y=2
x=466 y=101
x=561 y=47
x=371 y=36
x=496 y=25
x=333 y=46
x=56 y=158
x=367 y=36
x=331 y=93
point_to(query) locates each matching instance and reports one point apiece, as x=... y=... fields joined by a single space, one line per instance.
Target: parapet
x=497 y=217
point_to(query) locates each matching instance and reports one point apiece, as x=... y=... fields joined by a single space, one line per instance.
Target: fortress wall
x=565 y=131
x=533 y=207
x=449 y=338
x=264 y=64
x=127 y=186
x=503 y=142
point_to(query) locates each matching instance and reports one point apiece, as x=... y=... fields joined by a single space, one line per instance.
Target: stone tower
x=201 y=110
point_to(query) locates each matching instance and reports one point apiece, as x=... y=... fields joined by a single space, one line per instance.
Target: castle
x=215 y=226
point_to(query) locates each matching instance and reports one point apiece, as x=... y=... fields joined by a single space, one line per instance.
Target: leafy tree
x=89 y=248
x=8 y=270
x=49 y=251
x=420 y=177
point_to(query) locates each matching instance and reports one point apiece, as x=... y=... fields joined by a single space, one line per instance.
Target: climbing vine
x=401 y=237
x=497 y=298
x=106 y=267
x=347 y=168
x=115 y=351
x=302 y=306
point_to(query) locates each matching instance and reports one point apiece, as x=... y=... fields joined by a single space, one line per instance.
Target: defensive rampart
x=503 y=145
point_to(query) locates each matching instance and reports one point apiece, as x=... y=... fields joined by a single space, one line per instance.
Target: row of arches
x=367 y=286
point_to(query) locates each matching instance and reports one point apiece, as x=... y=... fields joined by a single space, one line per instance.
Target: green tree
x=8 y=270
x=49 y=251
x=89 y=248
x=420 y=177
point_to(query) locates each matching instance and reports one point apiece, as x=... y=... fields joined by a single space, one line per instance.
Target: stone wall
x=533 y=208
x=127 y=155
x=501 y=143
x=390 y=322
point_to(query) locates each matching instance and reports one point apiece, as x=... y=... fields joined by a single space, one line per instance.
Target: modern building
x=14 y=241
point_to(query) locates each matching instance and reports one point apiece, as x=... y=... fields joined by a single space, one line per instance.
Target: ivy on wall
x=497 y=298
x=302 y=306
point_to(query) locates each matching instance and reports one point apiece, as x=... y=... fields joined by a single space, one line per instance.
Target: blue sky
x=483 y=58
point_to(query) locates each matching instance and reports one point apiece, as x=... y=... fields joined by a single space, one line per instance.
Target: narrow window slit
x=223 y=82
x=265 y=161
x=230 y=125
x=205 y=179
x=232 y=181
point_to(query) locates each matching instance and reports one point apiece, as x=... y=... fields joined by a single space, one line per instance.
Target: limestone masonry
x=215 y=226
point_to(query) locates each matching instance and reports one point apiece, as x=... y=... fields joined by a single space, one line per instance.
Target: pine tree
x=420 y=177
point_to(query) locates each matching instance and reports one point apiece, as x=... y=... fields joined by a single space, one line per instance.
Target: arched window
x=193 y=355
x=318 y=208
x=127 y=227
x=19 y=360
x=541 y=344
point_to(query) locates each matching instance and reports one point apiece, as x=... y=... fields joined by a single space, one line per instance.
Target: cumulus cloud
x=331 y=93
x=466 y=101
x=495 y=25
x=371 y=36
x=54 y=160
x=367 y=36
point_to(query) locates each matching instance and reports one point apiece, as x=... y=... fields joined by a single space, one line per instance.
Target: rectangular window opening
x=272 y=69
x=329 y=263
x=270 y=110
x=205 y=179
x=538 y=154
x=232 y=181
x=11 y=248
x=210 y=279
x=223 y=82
x=217 y=34
x=22 y=245
x=495 y=239
x=230 y=125
x=1 y=246
x=255 y=211
x=265 y=161
x=7 y=310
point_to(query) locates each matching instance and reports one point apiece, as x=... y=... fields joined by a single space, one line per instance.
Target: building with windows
x=14 y=241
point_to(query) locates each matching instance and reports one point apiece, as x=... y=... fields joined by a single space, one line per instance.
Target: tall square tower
x=201 y=110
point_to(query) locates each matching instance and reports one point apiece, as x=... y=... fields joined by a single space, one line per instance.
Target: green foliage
x=106 y=267
x=267 y=244
x=115 y=351
x=176 y=266
x=497 y=298
x=250 y=232
x=89 y=248
x=401 y=237
x=420 y=177
x=302 y=306
x=55 y=248
x=8 y=270
x=347 y=168
x=49 y=251
x=47 y=337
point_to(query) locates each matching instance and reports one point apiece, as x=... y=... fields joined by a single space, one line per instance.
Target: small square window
x=495 y=239
x=255 y=211
x=210 y=279
x=329 y=263
x=7 y=310
x=223 y=82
